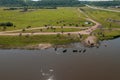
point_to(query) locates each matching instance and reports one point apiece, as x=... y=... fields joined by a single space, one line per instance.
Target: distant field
x=103 y=16
x=40 y=17
x=115 y=8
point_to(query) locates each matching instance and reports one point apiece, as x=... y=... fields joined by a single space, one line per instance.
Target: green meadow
x=63 y=16
x=102 y=16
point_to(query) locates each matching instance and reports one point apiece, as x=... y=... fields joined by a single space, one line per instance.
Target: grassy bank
x=23 y=41
x=106 y=34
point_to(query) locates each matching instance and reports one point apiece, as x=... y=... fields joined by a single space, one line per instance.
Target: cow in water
x=64 y=50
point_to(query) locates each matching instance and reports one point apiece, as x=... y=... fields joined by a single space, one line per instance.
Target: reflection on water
x=47 y=75
x=73 y=63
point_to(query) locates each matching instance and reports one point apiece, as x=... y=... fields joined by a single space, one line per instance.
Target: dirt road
x=88 y=31
x=102 y=9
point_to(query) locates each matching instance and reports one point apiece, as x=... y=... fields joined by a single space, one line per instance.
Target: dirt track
x=87 y=31
x=102 y=9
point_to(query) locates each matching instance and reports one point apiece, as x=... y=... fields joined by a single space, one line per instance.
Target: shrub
x=9 y=24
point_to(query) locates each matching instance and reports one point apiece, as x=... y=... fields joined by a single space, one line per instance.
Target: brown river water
x=101 y=63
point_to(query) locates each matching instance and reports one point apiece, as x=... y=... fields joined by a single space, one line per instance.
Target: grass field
x=102 y=16
x=67 y=17
x=63 y=16
x=40 y=17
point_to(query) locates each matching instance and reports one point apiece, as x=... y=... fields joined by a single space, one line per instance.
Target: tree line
x=105 y=3
x=53 y=3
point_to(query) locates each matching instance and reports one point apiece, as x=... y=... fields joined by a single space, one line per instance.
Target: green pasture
x=63 y=16
x=102 y=16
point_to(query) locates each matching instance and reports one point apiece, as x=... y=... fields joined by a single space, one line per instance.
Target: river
x=101 y=63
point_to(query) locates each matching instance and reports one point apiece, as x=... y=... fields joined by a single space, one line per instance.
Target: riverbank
x=106 y=34
x=32 y=40
x=29 y=42
x=59 y=40
x=102 y=62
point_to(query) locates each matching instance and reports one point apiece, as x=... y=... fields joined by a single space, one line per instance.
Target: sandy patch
x=91 y=41
x=44 y=46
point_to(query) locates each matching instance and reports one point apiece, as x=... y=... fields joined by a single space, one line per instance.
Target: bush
x=2 y=24
x=9 y=24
